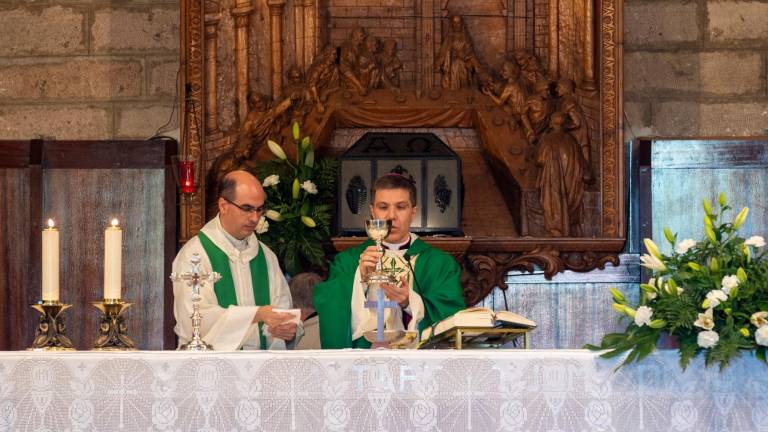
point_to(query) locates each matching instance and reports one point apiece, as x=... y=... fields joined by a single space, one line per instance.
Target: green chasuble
x=437 y=281
x=225 y=287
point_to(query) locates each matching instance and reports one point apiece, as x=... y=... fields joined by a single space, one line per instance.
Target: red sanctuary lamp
x=187 y=174
x=187 y=181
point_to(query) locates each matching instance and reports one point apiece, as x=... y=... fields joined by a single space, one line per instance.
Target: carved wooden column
x=192 y=56
x=554 y=36
x=426 y=37
x=588 y=83
x=241 y=12
x=211 y=44
x=299 y=33
x=276 y=36
x=517 y=20
x=310 y=32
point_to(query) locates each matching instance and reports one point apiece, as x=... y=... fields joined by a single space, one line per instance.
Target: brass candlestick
x=113 y=328
x=196 y=280
x=50 y=333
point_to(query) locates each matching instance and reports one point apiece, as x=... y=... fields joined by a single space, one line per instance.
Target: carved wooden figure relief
x=548 y=138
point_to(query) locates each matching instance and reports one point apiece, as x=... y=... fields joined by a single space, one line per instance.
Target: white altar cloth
x=491 y=390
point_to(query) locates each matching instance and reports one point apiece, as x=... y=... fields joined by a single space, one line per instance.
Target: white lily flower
x=729 y=282
x=271 y=180
x=643 y=316
x=651 y=262
x=705 y=320
x=707 y=338
x=309 y=187
x=761 y=336
x=715 y=297
x=262 y=226
x=756 y=241
x=685 y=245
x=759 y=319
x=274 y=215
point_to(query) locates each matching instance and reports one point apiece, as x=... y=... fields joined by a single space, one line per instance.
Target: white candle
x=50 y=263
x=113 y=260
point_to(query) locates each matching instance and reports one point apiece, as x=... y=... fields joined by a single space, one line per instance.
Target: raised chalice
x=378 y=230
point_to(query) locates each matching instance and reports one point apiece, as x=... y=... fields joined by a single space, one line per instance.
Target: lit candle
x=113 y=260
x=50 y=263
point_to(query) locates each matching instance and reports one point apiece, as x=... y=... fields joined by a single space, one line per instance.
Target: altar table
x=489 y=390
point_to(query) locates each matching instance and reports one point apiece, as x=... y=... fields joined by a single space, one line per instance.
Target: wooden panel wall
x=685 y=171
x=16 y=287
x=133 y=196
x=82 y=185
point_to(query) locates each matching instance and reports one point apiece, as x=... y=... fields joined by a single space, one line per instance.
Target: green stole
x=225 y=287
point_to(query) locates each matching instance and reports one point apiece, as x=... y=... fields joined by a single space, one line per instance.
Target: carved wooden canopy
x=539 y=81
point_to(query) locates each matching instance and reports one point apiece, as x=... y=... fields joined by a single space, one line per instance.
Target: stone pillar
x=276 y=36
x=310 y=32
x=211 y=45
x=554 y=36
x=588 y=62
x=241 y=12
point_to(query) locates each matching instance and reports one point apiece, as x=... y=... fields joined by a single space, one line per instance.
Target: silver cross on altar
x=196 y=280
x=380 y=304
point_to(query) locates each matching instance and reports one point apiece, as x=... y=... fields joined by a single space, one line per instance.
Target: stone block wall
x=87 y=69
x=696 y=67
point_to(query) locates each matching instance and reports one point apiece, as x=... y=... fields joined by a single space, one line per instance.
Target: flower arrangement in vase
x=300 y=196
x=711 y=294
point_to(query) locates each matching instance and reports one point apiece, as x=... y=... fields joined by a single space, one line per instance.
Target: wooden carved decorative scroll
x=545 y=105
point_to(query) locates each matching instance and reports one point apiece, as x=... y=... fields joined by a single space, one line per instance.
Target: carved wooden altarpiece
x=540 y=81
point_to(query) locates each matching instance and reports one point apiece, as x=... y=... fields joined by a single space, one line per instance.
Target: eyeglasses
x=248 y=208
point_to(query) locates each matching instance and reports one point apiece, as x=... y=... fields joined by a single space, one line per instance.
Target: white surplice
x=231 y=328
x=364 y=319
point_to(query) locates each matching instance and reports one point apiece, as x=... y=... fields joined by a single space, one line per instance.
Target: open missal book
x=480 y=318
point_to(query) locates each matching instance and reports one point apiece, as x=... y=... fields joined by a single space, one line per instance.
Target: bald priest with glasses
x=239 y=311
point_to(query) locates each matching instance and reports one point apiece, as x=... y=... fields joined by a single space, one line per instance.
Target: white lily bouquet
x=711 y=294
x=300 y=196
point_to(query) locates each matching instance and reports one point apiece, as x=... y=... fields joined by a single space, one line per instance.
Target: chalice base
x=196 y=345
x=389 y=336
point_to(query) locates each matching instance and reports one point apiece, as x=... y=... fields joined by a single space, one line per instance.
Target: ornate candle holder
x=196 y=280
x=113 y=328
x=50 y=333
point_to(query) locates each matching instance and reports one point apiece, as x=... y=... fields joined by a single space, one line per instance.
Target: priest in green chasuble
x=238 y=310
x=429 y=288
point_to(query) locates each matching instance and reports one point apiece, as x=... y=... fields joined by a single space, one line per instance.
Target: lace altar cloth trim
x=568 y=390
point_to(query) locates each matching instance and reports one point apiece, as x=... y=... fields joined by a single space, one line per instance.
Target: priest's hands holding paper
x=281 y=325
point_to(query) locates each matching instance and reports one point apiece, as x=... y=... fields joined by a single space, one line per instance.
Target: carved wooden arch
x=486 y=260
